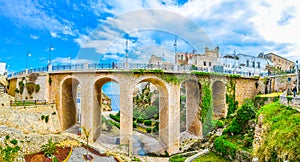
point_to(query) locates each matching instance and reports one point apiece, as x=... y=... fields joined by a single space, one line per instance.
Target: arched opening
x=69 y=107
x=107 y=117
x=190 y=99
x=150 y=117
x=219 y=100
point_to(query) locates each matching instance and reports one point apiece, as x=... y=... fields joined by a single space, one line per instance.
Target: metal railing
x=130 y=66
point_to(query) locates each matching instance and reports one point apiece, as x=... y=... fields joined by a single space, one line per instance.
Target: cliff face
x=106 y=103
x=277 y=134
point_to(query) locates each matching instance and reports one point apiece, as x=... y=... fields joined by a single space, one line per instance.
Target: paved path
x=77 y=156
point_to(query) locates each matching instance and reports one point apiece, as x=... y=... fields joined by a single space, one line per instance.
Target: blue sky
x=97 y=30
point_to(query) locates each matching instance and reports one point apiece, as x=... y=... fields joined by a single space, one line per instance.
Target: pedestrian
x=295 y=91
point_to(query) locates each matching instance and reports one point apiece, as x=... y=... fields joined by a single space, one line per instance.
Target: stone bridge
x=63 y=87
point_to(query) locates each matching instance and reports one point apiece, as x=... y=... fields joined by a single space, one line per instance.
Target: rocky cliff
x=106 y=103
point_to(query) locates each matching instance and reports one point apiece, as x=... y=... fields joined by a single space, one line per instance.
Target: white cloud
x=33 y=15
x=34 y=36
x=67 y=60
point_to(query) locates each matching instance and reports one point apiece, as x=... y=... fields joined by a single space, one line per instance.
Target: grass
x=281 y=133
x=211 y=157
x=271 y=94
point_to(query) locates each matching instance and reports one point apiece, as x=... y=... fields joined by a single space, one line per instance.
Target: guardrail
x=130 y=66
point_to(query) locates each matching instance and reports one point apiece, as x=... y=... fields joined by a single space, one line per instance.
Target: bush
x=37 y=88
x=148 y=122
x=10 y=151
x=149 y=130
x=115 y=124
x=115 y=117
x=30 y=88
x=50 y=148
x=140 y=120
x=225 y=147
x=134 y=124
x=156 y=116
x=219 y=124
x=234 y=128
x=21 y=86
x=156 y=128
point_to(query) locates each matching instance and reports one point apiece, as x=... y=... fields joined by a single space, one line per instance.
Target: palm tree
x=87 y=134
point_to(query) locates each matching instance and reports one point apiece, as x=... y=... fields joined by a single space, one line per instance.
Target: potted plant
x=49 y=149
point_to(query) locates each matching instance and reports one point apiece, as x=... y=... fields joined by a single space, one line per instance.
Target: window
x=181 y=57
x=204 y=63
x=247 y=64
x=258 y=64
x=209 y=63
x=253 y=64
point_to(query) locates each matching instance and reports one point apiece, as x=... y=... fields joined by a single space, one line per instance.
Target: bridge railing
x=130 y=66
x=70 y=67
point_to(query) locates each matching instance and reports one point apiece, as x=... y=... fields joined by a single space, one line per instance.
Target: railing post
x=49 y=67
x=85 y=66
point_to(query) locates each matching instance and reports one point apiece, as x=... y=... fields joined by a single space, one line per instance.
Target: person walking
x=295 y=91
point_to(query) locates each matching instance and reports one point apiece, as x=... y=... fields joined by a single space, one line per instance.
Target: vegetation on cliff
x=280 y=138
x=238 y=135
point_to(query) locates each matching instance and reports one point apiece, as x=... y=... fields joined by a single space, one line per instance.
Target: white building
x=245 y=65
x=2 y=68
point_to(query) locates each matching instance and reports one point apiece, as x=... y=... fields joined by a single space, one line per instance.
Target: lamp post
x=51 y=48
x=28 y=54
x=297 y=72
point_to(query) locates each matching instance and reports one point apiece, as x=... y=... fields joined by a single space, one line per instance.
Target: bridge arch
x=193 y=95
x=219 y=99
x=97 y=109
x=68 y=115
x=164 y=115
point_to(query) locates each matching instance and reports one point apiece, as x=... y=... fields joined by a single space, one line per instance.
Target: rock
x=106 y=103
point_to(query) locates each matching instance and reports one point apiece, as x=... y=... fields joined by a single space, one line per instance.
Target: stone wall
x=245 y=88
x=5 y=100
x=28 y=118
x=40 y=80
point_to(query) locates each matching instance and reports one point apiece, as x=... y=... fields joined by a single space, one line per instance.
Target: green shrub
x=17 y=90
x=148 y=122
x=115 y=117
x=140 y=120
x=134 y=124
x=233 y=128
x=219 y=124
x=149 y=130
x=225 y=147
x=10 y=151
x=156 y=128
x=115 y=124
x=156 y=116
x=30 y=88
x=37 y=88
x=49 y=148
x=246 y=112
x=21 y=86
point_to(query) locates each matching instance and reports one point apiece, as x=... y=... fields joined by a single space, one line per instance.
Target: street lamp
x=70 y=60
x=297 y=72
x=28 y=54
x=51 y=48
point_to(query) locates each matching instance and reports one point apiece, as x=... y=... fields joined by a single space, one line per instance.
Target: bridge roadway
x=91 y=78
